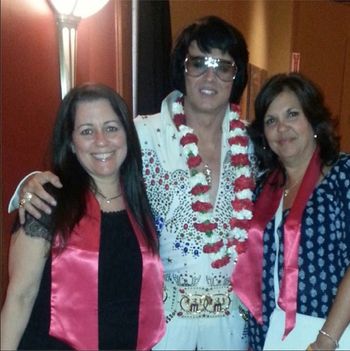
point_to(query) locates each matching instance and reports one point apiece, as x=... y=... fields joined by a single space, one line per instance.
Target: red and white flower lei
x=220 y=249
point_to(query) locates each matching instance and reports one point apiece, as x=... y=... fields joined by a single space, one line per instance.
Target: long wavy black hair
x=71 y=200
x=211 y=32
x=312 y=102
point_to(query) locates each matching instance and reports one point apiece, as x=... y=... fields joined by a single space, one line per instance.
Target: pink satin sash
x=247 y=277
x=74 y=283
x=151 y=313
x=74 y=287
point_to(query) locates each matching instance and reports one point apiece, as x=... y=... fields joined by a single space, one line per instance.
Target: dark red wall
x=30 y=91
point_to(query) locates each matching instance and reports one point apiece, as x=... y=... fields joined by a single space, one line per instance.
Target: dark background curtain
x=154 y=47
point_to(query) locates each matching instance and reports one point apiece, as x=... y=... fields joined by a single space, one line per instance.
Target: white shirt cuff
x=14 y=201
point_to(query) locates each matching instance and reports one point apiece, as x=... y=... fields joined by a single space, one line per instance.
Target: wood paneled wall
x=318 y=29
x=321 y=33
x=30 y=91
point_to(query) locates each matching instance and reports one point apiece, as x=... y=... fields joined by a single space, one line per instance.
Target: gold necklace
x=287 y=190
x=108 y=199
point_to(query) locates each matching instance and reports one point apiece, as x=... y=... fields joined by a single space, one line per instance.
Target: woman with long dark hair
x=88 y=276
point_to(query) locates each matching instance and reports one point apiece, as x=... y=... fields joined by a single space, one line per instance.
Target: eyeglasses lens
x=195 y=66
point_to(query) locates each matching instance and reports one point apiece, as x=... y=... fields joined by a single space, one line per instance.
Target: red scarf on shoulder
x=247 y=277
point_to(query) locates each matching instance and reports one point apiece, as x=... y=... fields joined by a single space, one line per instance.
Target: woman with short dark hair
x=298 y=249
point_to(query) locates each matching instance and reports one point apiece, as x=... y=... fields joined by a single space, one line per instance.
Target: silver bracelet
x=335 y=341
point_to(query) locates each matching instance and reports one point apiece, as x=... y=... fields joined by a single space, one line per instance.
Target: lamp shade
x=78 y=8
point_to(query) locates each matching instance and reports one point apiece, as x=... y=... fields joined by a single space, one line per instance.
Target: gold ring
x=26 y=198
x=22 y=202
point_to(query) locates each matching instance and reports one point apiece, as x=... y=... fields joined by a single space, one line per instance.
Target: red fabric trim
x=247 y=277
x=74 y=294
x=151 y=315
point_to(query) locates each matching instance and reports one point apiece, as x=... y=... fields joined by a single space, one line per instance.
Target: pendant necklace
x=207 y=174
x=287 y=190
x=108 y=199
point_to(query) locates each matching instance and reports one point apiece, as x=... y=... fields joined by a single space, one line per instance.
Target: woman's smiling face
x=287 y=130
x=99 y=139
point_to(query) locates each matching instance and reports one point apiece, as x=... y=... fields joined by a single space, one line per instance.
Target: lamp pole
x=68 y=15
x=134 y=41
x=67 y=41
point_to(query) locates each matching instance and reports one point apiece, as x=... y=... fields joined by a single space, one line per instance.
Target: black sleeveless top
x=119 y=289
